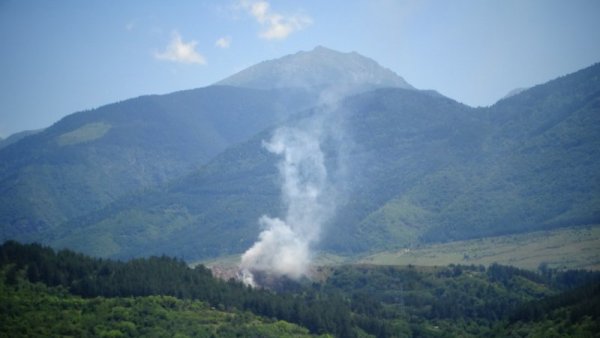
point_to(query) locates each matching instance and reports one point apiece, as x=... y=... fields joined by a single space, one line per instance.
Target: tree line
x=352 y=301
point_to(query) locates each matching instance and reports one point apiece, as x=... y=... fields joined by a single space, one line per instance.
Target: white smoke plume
x=284 y=246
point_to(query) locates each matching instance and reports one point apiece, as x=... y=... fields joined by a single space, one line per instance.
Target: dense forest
x=49 y=293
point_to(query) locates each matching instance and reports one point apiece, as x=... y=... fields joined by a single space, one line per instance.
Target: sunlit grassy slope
x=566 y=248
x=571 y=248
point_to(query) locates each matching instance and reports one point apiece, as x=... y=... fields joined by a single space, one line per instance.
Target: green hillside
x=155 y=296
x=64 y=293
x=541 y=170
x=35 y=310
x=186 y=174
x=89 y=159
x=4 y=142
x=215 y=210
x=420 y=168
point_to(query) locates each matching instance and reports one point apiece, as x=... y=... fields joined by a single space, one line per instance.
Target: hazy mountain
x=17 y=137
x=423 y=168
x=535 y=167
x=420 y=167
x=316 y=70
x=91 y=158
x=513 y=92
x=402 y=136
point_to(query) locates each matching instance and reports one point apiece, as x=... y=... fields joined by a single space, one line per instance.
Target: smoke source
x=284 y=246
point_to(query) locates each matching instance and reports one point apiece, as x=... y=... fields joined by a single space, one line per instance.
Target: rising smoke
x=284 y=246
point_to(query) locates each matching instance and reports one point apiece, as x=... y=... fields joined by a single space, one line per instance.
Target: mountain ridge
x=16 y=137
x=135 y=144
x=91 y=158
x=432 y=170
x=425 y=168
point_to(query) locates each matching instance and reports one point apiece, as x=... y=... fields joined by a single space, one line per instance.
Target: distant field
x=572 y=248
x=568 y=248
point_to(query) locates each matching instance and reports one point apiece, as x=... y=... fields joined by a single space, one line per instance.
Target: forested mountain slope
x=91 y=158
x=215 y=210
x=187 y=173
x=421 y=167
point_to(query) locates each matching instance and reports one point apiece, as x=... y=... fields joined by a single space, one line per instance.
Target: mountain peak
x=320 y=48
x=317 y=69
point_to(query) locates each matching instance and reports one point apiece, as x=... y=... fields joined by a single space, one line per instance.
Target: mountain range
x=186 y=173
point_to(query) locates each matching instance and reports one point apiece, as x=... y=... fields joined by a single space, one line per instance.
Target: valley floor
x=566 y=248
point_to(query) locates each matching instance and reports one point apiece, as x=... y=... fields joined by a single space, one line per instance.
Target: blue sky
x=63 y=56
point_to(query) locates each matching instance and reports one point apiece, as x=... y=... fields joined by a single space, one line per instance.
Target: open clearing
x=566 y=248
x=570 y=248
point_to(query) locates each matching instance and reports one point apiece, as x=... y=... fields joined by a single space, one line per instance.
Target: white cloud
x=179 y=51
x=223 y=42
x=276 y=25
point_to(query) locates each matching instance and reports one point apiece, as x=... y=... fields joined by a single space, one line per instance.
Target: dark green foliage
x=349 y=301
x=582 y=301
x=89 y=277
x=574 y=313
x=28 y=310
x=460 y=300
